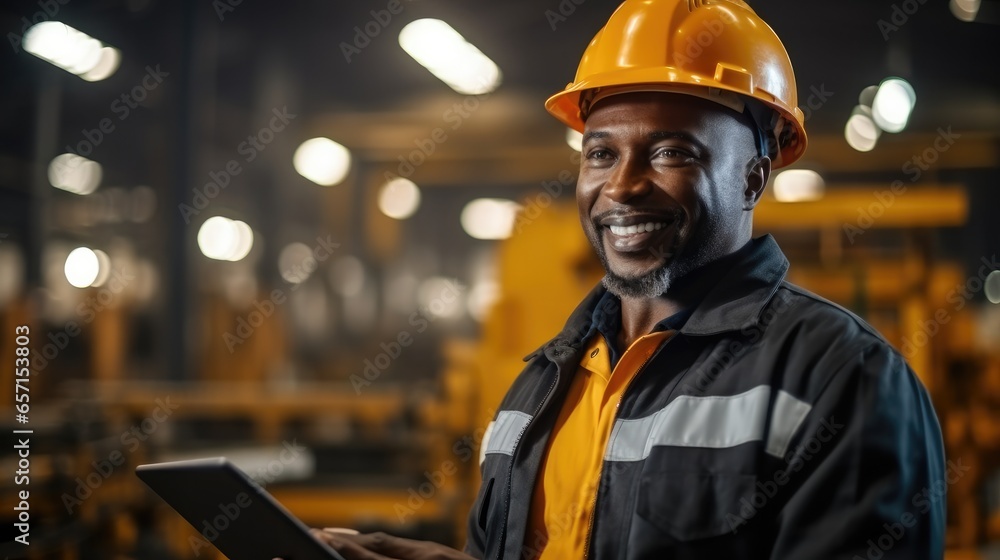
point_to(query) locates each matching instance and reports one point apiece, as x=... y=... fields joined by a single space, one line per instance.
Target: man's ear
x=758 y=171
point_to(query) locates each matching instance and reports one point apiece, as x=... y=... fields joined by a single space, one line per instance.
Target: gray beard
x=703 y=248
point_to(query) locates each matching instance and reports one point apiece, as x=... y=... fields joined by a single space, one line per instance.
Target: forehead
x=659 y=109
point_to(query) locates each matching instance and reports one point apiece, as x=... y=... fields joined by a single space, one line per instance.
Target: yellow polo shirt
x=565 y=491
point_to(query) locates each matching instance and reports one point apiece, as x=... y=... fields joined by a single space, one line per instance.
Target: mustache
x=675 y=215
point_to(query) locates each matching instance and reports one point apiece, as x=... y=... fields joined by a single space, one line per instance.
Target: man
x=696 y=405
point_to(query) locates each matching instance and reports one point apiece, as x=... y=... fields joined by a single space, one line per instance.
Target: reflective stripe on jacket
x=774 y=425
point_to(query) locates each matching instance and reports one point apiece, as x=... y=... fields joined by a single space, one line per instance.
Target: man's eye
x=599 y=154
x=672 y=153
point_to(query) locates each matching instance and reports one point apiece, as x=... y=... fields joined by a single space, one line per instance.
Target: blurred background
x=289 y=233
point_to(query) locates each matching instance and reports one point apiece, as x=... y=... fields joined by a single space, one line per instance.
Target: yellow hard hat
x=708 y=48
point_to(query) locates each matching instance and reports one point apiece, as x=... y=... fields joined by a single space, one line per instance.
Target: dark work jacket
x=773 y=425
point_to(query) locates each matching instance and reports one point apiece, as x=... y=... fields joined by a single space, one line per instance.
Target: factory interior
x=281 y=233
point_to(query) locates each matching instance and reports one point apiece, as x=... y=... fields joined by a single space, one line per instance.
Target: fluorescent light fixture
x=222 y=239
x=893 y=104
x=574 y=139
x=490 y=218
x=292 y=262
x=399 y=198
x=438 y=296
x=446 y=54
x=75 y=174
x=861 y=131
x=108 y=62
x=798 y=185
x=82 y=267
x=322 y=161
x=72 y=50
x=103 y=268
x=965 y=10
x=992 y=287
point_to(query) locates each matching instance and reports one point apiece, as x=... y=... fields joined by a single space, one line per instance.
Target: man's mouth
x=637 y=233
x=638 y=228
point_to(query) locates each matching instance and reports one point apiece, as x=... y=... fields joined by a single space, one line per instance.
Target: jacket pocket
x=689 y=506
x=484 y=507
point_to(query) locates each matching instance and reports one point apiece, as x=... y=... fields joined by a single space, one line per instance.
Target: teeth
x=638 y=228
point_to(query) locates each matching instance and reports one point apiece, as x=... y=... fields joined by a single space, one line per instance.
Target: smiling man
x=697 y=405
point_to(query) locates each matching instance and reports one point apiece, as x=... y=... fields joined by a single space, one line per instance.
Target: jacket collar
x=737 y=300
x=734 y=303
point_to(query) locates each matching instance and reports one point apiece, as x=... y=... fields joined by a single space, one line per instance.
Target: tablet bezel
x=208 y=490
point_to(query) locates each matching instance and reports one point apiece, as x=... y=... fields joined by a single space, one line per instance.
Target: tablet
x=231 y=511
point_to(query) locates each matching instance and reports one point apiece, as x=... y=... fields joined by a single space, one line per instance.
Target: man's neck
x=640 y=315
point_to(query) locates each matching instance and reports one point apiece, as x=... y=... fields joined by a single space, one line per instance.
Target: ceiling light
x=296 y=262
x=399 y=198
x=75 y=174
x=223 y=239
x=322 y=161
x=72 y=50
x=82 y=267
x=992 y=287
x=965 y=10
x=489 y=218
x=798 y=185
x=861 y=131
x=446 y=54
x=574 y=139
x=893 y=104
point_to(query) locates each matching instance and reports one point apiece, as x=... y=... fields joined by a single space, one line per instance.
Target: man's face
x=667 y=184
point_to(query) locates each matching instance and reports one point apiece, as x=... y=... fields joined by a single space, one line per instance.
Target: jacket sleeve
x=870 y=477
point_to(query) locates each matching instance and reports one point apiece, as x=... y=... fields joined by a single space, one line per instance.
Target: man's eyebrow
x=595 y=134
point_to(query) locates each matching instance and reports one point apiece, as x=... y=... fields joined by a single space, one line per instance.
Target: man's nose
x=628 y=180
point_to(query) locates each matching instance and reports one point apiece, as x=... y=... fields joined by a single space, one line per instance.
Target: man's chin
x=649 y=285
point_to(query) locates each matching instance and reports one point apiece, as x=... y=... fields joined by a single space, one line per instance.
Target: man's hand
x=380 y=546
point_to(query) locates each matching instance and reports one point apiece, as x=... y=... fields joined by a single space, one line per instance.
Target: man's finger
x=346 y=545
x=343 y=530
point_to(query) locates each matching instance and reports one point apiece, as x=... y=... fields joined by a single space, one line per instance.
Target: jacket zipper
x=600 y=472
x=510 y=472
